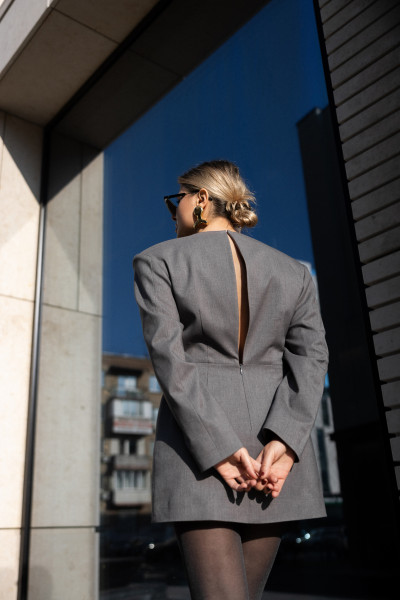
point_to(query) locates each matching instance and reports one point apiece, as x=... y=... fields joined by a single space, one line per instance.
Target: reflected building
x=323 y=433
x=130 y=399
x=325 y=448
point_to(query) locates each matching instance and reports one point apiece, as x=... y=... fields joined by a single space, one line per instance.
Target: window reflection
x=132 y=551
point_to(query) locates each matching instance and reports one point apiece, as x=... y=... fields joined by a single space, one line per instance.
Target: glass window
x=154 y=386
x=265 y=146
x=125 y=385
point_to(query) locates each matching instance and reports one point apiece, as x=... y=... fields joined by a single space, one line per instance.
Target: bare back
x=242 y=295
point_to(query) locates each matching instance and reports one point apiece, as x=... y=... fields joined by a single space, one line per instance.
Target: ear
x=203 y=197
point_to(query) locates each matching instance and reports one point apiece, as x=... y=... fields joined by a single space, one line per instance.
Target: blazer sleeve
x=305 y=357
x=206 y=429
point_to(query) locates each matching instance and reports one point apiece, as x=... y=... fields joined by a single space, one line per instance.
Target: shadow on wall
x=40 y=584
x=20 y=163
x=68 y=158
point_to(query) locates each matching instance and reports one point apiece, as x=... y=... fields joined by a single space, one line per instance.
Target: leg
x=212 y=553
x=260 y=546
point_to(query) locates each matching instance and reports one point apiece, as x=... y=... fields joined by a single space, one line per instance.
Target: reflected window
x=126 y=385
x=154 y=386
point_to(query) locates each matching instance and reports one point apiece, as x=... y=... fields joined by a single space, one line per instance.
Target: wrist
x=278 y=445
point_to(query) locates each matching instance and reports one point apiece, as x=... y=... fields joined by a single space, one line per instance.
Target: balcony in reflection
x=130 y=400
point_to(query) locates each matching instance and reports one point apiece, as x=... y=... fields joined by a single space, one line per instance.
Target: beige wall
x=64 y=544
x=20 y=165
x=64 y=556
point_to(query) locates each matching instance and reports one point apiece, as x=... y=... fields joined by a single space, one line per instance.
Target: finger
x=248 y=484
x=277 y=488
x=256 y=465
x=244 y=479
x=251 y=483
x=237 y=487
x=259 y=486
x=266 y=464
x=248 y=465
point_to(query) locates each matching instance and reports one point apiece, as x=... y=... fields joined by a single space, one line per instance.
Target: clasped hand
x=267 y=472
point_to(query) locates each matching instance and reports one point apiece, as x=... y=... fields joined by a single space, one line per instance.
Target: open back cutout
x=242 y=296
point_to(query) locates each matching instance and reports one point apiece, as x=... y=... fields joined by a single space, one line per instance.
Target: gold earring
x=197 y=214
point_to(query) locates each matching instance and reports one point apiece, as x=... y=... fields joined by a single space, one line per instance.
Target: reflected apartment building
x=130 y=399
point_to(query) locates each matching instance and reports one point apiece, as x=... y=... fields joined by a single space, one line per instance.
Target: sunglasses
x=172 y=201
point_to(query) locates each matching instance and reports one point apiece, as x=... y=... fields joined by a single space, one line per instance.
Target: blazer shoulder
x=167 y=253
x=159 y=250
x=169 y=248
x=277 y=257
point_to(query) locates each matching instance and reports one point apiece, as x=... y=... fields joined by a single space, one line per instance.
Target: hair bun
x=231 y=197
x=241 y=213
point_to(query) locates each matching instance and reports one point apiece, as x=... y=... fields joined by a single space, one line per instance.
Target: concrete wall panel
x=19 y=208
x=91 y=235
x=17 y=26
x=64 y=555
x=15 y=356
x=9 y=559
x=66 y=476
x=61 y=266
x=63 y=564
x=19 y=213
x=20 y=170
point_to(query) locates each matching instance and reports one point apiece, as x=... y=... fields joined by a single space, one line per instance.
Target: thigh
x=213 y=558
x=260 y=543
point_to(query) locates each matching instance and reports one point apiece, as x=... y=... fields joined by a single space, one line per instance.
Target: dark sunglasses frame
x=170 y=205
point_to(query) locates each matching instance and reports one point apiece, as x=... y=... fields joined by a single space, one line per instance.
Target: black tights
x=228 y=561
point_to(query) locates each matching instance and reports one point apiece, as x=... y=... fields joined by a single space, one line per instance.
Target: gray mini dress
x=212 y=404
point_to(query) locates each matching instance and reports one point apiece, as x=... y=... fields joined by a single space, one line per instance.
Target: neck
x=218 y=224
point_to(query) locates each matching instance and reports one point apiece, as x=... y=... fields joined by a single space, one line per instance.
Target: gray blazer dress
x=212 y=405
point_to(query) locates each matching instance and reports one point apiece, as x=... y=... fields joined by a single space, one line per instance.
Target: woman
x=237 y=344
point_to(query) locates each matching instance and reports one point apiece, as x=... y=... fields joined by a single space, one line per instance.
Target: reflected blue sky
x=241 y=104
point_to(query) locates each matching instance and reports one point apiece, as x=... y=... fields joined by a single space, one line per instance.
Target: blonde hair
x=230 y=196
